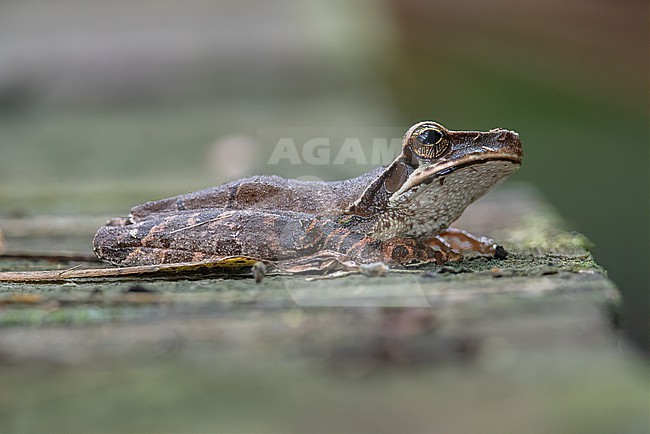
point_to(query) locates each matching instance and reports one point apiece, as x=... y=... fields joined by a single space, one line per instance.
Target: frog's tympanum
x=398 y=215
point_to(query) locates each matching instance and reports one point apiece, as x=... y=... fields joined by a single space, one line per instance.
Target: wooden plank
x=520 y=344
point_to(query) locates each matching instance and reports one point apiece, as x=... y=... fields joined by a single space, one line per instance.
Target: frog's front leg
x=453 y=244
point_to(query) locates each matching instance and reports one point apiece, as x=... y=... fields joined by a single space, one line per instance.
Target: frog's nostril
x=507 y=136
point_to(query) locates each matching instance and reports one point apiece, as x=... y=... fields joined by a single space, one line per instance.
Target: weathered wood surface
x=522 y=344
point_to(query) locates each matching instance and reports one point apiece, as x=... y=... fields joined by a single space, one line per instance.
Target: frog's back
x=266 y=192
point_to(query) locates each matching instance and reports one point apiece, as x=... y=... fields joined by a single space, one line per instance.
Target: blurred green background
x=104 y=105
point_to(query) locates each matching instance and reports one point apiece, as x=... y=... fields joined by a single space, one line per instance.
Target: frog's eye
x=430 y=143
x=430 y=137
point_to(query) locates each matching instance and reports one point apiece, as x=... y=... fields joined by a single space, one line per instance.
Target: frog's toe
x=463 y=243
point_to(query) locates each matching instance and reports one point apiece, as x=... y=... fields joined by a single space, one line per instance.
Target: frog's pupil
x=429 y=137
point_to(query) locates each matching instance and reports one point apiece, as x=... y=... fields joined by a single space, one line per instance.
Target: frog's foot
x=326 y=261
x=452 y=244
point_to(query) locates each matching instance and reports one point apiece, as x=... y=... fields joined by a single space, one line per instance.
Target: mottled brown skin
x=397 y=214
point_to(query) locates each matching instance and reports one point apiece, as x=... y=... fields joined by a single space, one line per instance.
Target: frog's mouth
x=427 y=174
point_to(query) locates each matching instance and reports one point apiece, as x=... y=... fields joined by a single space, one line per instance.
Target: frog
x=399 y=214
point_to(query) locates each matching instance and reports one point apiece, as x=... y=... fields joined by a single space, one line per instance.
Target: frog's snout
x=507 y=143
x=507 y=136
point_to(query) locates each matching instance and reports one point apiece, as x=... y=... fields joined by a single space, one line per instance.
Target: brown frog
x=398 y=215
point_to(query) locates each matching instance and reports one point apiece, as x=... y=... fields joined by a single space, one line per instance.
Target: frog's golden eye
x=430 y=143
